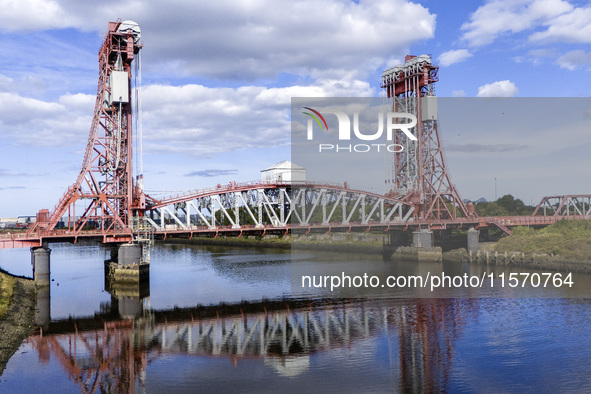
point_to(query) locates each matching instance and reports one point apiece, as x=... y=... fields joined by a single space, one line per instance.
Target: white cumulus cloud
x=245 y=41
x=454 y=56
x=30 y=121
x=499 y=17
x=572 y=27
x=202 y=121
x=28 y=15
x=504 y=88
x=573 y=59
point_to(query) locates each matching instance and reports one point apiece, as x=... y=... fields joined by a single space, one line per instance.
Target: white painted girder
x=277 y=208
x=566 y=205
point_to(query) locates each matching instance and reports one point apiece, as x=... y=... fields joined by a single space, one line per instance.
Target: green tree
x=504 y=206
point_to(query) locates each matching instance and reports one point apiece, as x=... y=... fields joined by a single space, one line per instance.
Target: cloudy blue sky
x=218 y=78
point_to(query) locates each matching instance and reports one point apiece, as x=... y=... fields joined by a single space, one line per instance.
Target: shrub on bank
x=570 y=239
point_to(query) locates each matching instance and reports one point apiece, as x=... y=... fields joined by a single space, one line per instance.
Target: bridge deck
x=22 y=240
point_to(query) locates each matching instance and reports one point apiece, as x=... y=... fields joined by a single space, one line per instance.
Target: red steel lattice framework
x=106 y=179
x=418 y=174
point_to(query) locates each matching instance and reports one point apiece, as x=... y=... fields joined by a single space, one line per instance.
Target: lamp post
x=495 y=189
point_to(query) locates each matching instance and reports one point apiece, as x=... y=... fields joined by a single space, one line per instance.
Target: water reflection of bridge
x=114 y=355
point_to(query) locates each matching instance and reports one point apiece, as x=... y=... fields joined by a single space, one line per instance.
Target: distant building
x=8 y=222
x=284 y=171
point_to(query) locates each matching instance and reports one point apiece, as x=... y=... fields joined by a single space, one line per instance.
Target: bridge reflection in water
x=103 y=355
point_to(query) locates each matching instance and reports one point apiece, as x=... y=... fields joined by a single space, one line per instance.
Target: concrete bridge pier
x=421 y=249
x=127 y=263
x=422 y=238
x=129 y=254
x=423 y=246
x=127 y=279
x=472 y=236
x=41 y=266
x=40 y=259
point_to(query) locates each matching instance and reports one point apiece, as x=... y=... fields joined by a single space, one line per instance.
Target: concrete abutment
x=127 y=279
x=428 y=245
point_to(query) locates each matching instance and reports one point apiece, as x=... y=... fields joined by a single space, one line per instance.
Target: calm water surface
x=220 y=319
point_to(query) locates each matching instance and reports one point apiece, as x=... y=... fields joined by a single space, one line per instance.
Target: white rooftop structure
x=284 y=171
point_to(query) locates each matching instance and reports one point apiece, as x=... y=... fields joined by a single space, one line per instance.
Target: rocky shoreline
x=19 y=321
x=538 y=261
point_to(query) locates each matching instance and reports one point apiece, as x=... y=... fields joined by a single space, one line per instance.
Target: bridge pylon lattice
x=105 y=194
x=418 y=174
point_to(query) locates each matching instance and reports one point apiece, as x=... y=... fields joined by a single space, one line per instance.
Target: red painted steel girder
x=420 y=172
x=105 y=180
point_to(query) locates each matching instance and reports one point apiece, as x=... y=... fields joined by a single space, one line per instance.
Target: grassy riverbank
x=566 y=239
x=7 y=284
x=339 y=242
x=254 y=242
x=17 y=314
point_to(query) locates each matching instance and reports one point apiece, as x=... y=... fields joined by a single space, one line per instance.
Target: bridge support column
x=422 y=238
x=40 y=258
x=422 y=248
x=127 y=279
x=129 y=254
x=472 y=240
x=40 y=261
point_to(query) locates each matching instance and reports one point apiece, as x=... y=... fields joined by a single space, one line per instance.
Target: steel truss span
x=275 y=206
x=569 y=205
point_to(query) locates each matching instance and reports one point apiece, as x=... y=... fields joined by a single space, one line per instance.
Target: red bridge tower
x=106 y=195
x=418 y=174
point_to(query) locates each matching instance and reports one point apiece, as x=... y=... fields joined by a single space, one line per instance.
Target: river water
x=224 y=319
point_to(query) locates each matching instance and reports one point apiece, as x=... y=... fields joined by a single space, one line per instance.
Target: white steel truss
x=275 y=206
x=570 y=205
